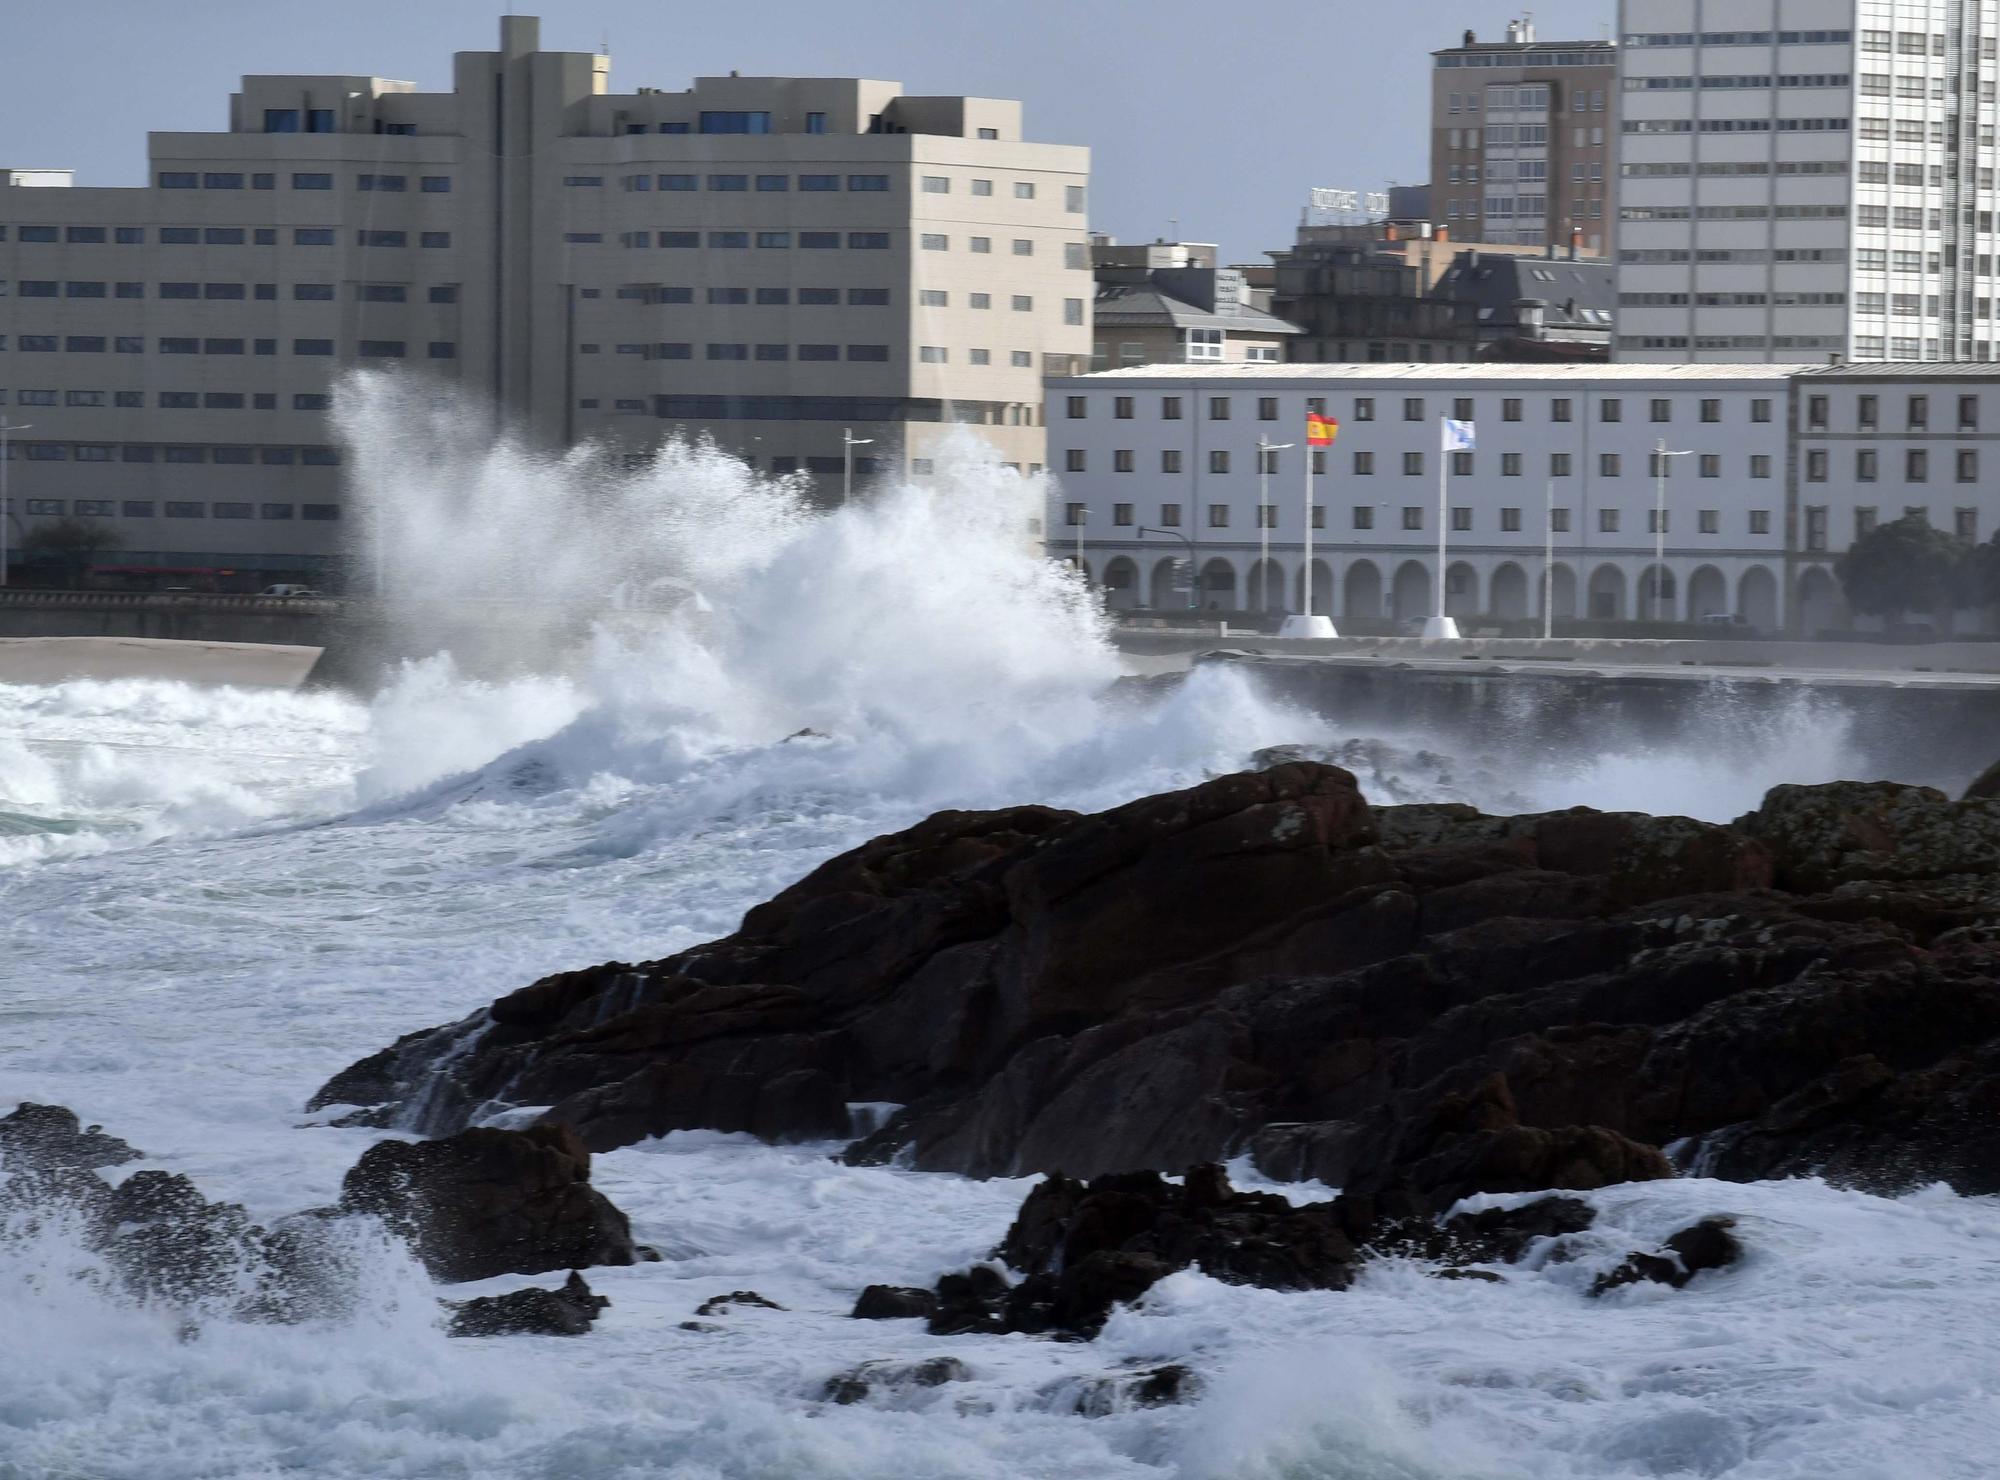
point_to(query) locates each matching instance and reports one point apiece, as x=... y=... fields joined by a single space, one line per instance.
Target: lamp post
x=1082 y=518
x=848 y=442
x=1549 y=565
x=1660 y=456
x=1264 y=450
x=1194 y=572
x=5 y=428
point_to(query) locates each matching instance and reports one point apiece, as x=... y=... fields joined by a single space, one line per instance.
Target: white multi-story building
x=1775 y=472
x=1804 y=180
x=776 y=262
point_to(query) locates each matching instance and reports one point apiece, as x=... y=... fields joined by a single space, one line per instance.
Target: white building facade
x=1807 y=179
x=1157 y=467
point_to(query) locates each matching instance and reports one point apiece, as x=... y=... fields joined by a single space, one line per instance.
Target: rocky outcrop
x=568 y=1310
x=1413 y=1002
x=51 y=1138
x=1708 y=1244
x=487 y=1202
x=883 y=1378
x=1076 y=1251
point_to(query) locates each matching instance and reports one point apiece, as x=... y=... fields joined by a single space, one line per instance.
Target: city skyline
x=1241 y=186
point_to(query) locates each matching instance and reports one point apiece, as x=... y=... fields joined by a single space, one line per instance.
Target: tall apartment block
x=1523 y=133
x=772 y=261
x=1806 y=180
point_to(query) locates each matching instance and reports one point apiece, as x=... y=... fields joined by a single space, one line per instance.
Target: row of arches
x=1367 y=590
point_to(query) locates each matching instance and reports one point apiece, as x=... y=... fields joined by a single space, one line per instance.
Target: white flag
x=1458 y=436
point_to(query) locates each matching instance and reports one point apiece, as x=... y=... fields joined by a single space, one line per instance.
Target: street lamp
x=5 y=428
x=1264 y=451
x=848 y=442
x=1660 y=456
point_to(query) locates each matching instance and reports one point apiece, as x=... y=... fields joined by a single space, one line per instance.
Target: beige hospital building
x=775 y=262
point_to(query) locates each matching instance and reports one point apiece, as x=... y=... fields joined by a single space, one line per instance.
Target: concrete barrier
x=250 y=665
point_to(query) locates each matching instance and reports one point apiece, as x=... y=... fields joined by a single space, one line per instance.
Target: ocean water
x=211 y=900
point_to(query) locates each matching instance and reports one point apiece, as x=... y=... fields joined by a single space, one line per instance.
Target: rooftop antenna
x=1173 y=228
x=604 y=47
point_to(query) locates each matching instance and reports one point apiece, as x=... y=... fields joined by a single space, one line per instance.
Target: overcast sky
x=1217 y=116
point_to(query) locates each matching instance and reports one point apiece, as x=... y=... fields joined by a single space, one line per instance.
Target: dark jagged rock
x=50 y=1137
x=159 y=1238
x=1705 y=1245
x=894 y=1303
x=1120 y=1392
x=568 y=1310
x=716 y=1305
x=1417 y=1002
x=487 y=1202
x=869 y=1378
x=1085 y=1248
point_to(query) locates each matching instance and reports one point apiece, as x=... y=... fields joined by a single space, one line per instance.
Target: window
x=1267 y=408
x=1968 y=465
x=1662 y=409
x=1073 y=311
x=1607 y=464
x=1170 y=515
x=1968 y=413
x=1075 y=461
x=382 y=238
x=875 y=353
x=1559 y=520
x=1024 y=190
x=1916 y=465
x=1022 y=303
x=1364 y=463
x=1413 y=516
x=379 y=349
x=312 y=236
x=1413 y=465
x=434 y=239
x=1865 y=413
x=1865 y=464
x=1218 y=516
x=397 y=183
x=1218 y=461
x=1170 y=461
x=1078 y=407
x=1510 y=409
x=1170 y=408
x=1023 y=247
x=312 y=346
x=1559 y=409
x=868 y=182
x=1218 y=408
x=1413 y=408
x=980 y=243
x=1607 y=521
x=1658 y=521
x=1510 y=520
x=1611 y=410
x=933 y=354
x=872 y=241
x=178 y=179
x=1364 y=408
x=1121 y=461
x=735 y=122
x=1760 y=411
x=1461 y=518
x=1121 y=408
x=1510 y=464
x=1816 y=465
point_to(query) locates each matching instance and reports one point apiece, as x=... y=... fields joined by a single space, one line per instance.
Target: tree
x=72 y=542
x=1904 y=565
x=1979 y=576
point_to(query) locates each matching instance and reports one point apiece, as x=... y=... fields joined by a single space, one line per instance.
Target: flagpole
x=1304 y=623
x=1442 y=625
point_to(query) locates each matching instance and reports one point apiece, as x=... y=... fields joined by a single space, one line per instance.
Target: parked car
x=288 y=590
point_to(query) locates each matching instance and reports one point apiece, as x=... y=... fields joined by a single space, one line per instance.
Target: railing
x=170 y=600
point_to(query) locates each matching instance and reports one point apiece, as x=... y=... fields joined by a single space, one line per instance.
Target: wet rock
x=1419 y=1002
x=487 y=1202
x=894 y=1303
x=1705 y=1245
x=885 y=1378
x=47 y=1137
x=1121 y=1392
x=566 y=1311
x=735 y=1299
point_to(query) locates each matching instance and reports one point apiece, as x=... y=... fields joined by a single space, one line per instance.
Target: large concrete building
x=1804 y=180
x=1523 y=135
x=1776 y=472
x=773 y=261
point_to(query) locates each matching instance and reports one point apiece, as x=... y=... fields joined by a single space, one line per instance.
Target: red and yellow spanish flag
x=1320 y=430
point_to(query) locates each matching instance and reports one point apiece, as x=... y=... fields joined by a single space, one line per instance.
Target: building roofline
x=1452 y=370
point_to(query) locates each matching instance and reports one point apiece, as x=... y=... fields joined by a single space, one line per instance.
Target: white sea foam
x=260 y=888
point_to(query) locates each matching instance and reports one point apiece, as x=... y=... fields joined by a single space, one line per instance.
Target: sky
x=1207 y=115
